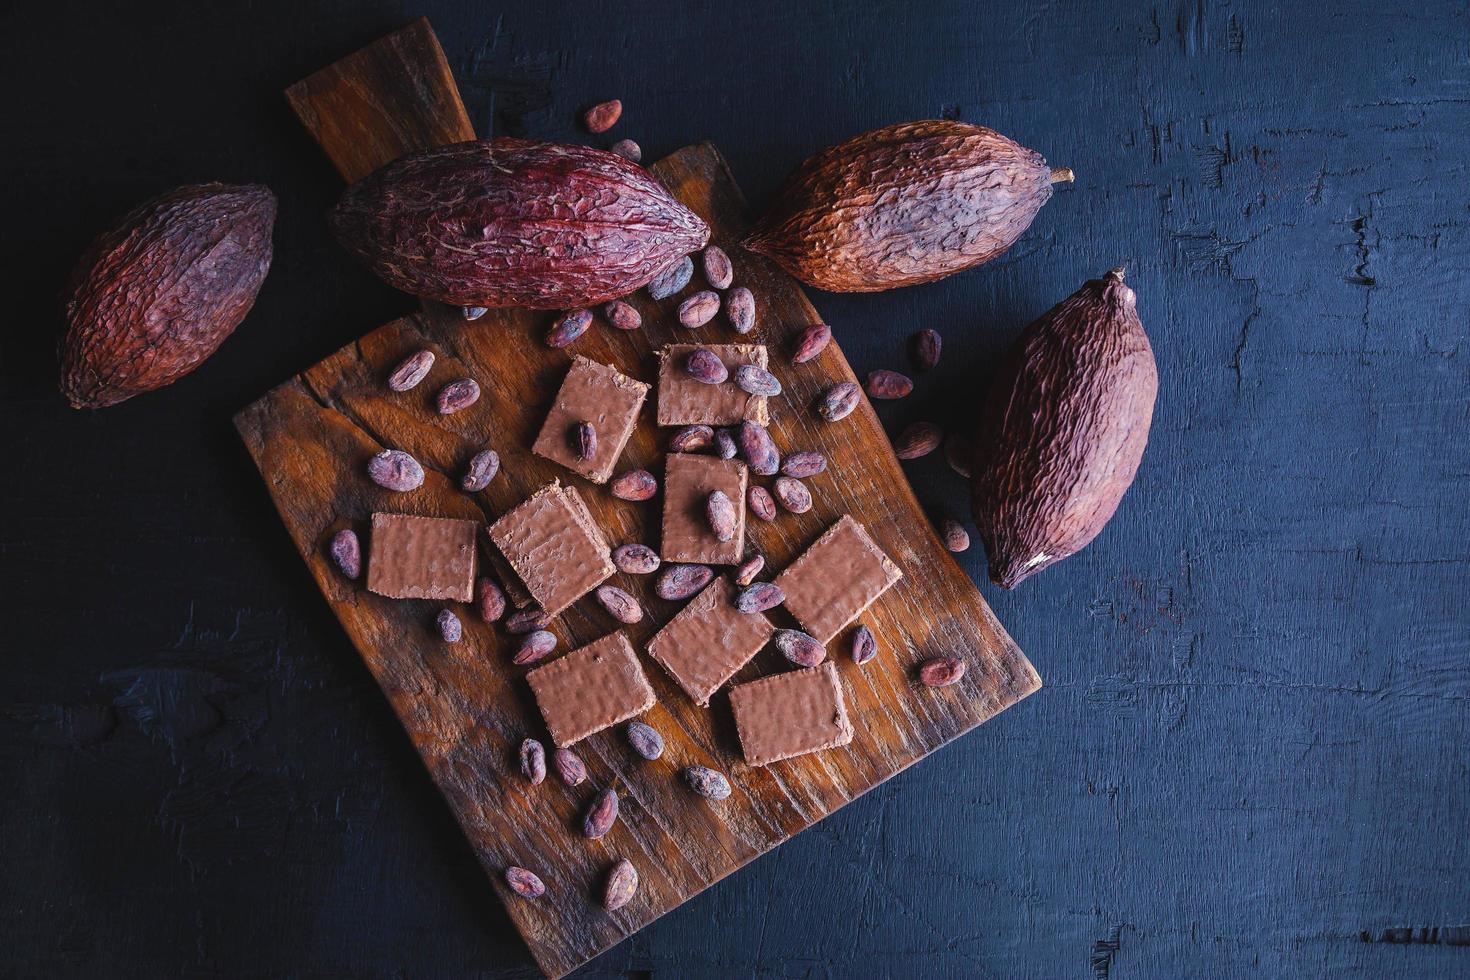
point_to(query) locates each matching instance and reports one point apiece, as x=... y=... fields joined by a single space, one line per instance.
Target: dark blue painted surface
x=1252 y=746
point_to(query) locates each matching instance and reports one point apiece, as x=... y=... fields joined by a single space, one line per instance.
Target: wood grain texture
x=467 y=709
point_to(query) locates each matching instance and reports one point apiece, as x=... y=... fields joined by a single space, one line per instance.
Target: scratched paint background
x=1250 y=758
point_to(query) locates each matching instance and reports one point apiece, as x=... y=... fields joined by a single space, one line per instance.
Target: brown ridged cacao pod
x=155 y=296
x=1063 y=430
x=512 y=222
x=905 y=204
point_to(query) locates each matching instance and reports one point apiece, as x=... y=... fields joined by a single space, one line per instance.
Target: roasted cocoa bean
x=719 y=510
x=839 y=401
x=628 y=150
x=941 y=671
x=672 y=279
x=813 y=341
x=954 y=535
x=411 y=370
x=635 y=559
x=601 y=815
x=749 y=569
x=803 y=464
x=717 y=269
x=537 y=645
x=691 y=439
x=958 y=452
x=526 y=620
x=482 y=469
x=619 y=604
x=634 y=485
x=886 y=384
x=682 y=581
x=800 y=648
x=489 y=600
x=740 y=309
x=621 y=884
x=792 y=494
x=707 y=783
x=602 y=116
x=758 y=449
x=927 y=345
x=724 y=444
x=918 y=439
x=622 y=315
x=757 y=380
x=346 y=553
x=457 y=396
x=570 y=768
x=759 y=596
x=584 y=439
x=473 y=313
x=524 y=883
x=394 y=469
x=533 y=761
x=699 y=309
x=568 y=328
x=864 y=647
x=450 y=628
x=645 y=740
x=704 y=365
x=761 y=503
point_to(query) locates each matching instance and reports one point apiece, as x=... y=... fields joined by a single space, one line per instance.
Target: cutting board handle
x=393 y=97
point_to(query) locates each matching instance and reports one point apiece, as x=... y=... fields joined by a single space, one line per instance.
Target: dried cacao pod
x=512 y=222
x=152 y=298
x=1063 y=430
x=904 y=204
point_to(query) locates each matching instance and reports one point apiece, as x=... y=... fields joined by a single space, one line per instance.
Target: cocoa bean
x=672 y=279
x=628 y=150
x=691 y=439
x=864 y=646
x=800 y=648
x=682 y=581
x=839 y=401
x=792 y=494
x=346 y=552
x=622 y=315
x=918 y=439
x=601 y=815
x=955 y=537
x=803 y=464
x=526 y=620
x=533 y=761
x=719 y=510
x=740 y=309
x=758 y=449
x=619 y=604
x=813 y=341
x=489 y=600
x=941 y=671
x=645 y=740
x=602 y=116
x=570 y=768
x=635 y=559
x=699 y=309
x=958 y=451
x=724 y=444
x=759 y=597
x=749 y=569
x=524 y=883
x=482 y=469
x=568 y=328
x=760 y=502
x=634 y=485
x=757 y=380
x=457 y=396
x=621 y=884
x=886 y=384
x=717 y=269
x=537 y=645
x=473 y=313
x=704 y=365
x=411 y=370
x=394 y=469
x=450 y=628
x=707 y=783
x=584 y=439
x=927 y=345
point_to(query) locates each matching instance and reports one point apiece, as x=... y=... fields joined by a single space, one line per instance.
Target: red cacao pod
x=512 y=222
x=1063 y=430
x=905 y=204
x=152 y=298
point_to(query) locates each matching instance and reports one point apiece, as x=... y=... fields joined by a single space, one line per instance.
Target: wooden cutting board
x=465 y=707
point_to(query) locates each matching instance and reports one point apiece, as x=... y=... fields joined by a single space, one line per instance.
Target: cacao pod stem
x=1062 y=175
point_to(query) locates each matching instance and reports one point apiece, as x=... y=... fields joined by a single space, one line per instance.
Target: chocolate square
x=790 y=714
x=596 y=393
x=836 y=579
x=422 y=557
x=684 y=401
x=550 y=542
x=709 y=640
x=688 y=481
x=590 y=689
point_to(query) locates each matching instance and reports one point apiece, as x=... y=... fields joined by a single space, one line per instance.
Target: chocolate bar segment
x=590 y=689
x=422 y=557
x=595 y=393
x=552 y=545
x=834 y=580
x=685 y=401
x=709 y=640
x=688 y=482
x=790 y=714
